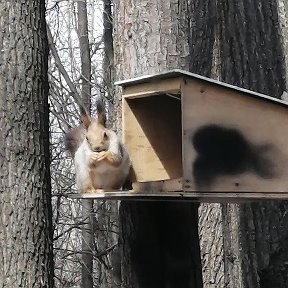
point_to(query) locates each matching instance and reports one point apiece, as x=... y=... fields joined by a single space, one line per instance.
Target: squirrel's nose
x=97 y=149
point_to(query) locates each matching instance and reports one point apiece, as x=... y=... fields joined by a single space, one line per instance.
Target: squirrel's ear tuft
x=86 y=120
x=101 y=116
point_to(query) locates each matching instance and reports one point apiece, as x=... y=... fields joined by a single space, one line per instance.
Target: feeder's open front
x=190 y=137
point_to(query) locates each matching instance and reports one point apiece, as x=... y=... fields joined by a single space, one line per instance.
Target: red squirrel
x=101 y=160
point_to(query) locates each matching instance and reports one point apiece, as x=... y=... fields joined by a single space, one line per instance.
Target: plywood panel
x=154 y=187
x=152 y=134
x=153 y=88
x=239 y=197
x=233 y=142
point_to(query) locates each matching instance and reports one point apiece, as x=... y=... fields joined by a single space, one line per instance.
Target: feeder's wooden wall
x=232 y=141
x=152 y=134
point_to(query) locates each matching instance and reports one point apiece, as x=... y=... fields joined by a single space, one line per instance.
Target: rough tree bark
x=160 y=239
x=108 y=60
x=239 y=42
x=107 y=211
x=241 y=45
x=25 y=197
x=82 y=32
x=87 y=204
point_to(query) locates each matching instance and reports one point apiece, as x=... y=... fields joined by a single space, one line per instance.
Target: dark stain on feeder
x=225 y=151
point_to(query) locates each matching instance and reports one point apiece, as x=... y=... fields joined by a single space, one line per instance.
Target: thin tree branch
x=74 y=92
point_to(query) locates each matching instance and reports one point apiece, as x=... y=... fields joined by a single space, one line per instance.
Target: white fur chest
x=103 y=175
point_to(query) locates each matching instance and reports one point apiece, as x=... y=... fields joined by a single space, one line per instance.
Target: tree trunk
x=159 y=239
x=160 y=247
x=108 y=60
x=283 y=25
x=242 y=47
x=25 y=194
x=84 y=53
x=237 y=42
x=87 y=208
x=107 y=211
x=87 y=244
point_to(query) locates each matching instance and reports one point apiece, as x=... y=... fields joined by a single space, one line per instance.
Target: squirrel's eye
x=105 y=136
x=87 y=138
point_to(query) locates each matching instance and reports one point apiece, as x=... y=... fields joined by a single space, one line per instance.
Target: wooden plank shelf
x=171 y=190
x=130 y=195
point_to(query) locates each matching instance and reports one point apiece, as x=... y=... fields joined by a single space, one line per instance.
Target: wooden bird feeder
x=194 y=138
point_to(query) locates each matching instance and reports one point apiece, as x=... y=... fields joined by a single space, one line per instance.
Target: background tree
x=245 y=49
x=25 y=196
x=87 y=209
x=160 y=239
x=69 y=46
x=242 y=43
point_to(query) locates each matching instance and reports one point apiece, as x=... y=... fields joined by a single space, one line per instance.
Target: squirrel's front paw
x=93 y=158
x=90 y=190
x=101 y=155
x=113 y=159
x=97 y=157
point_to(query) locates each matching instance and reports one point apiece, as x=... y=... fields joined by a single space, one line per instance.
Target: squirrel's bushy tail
x=74 y=138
